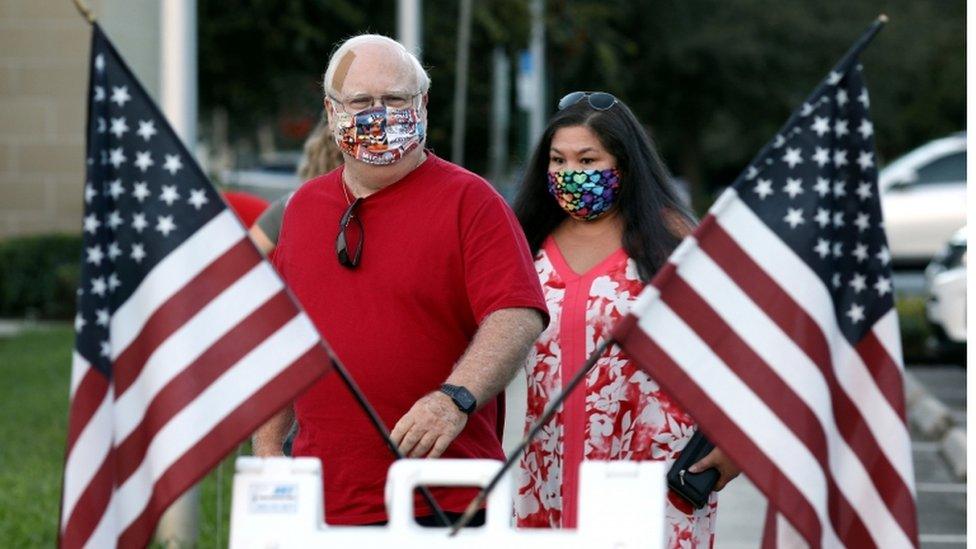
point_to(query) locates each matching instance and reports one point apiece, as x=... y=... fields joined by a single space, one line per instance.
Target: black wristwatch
x=462 y=397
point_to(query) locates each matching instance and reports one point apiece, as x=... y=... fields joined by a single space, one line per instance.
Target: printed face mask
x=379 y=135
x=585 y=194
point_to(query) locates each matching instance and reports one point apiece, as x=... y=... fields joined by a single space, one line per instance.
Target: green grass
x=33 y=421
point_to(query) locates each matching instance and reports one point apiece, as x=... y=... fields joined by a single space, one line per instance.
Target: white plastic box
x=278 y=504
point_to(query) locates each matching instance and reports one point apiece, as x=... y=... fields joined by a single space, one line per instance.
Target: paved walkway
x=10 y=327
x=741 y=511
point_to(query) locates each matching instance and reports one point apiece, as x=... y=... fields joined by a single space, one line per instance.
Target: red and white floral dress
x=621 y=413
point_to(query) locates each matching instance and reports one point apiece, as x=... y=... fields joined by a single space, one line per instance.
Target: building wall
x=44 y=48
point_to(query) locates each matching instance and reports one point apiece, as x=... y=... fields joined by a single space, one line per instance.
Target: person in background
x=319 y=155
x=601 y=217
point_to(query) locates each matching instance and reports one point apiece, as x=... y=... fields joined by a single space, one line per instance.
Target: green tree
x=712 y=79
x=263 y=59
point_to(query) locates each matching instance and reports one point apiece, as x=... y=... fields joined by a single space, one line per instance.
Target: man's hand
x=267 y=452
x=429 y=427
x=268 y=439
x=491 y=360
x=717 y=459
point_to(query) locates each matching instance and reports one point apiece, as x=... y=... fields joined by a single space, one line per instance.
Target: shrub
x=915 y=329
x=39 y=276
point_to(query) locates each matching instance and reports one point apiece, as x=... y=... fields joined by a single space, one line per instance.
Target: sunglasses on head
x=599 y=101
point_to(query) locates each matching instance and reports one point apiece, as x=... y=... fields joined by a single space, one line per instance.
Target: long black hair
x=653 y=217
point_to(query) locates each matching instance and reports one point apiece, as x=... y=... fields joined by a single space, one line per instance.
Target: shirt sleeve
x=498 y=268
x=280 y=251
x=270 y=220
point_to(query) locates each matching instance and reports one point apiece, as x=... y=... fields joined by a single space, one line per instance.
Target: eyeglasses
x=358 y=103
x=599 y=101
x=349 y=235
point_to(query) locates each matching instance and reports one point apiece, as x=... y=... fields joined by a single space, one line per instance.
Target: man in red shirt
x=417 y=273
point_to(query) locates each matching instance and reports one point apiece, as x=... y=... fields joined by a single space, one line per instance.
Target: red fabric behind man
x=246 y=205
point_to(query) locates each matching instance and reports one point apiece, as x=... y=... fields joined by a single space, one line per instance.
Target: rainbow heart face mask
x=585 y=194
x=379 y=135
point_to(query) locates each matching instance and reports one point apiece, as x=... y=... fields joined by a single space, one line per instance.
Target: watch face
x=461 y=396
x=465 y=399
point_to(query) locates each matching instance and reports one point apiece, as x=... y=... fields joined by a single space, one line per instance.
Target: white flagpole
x=500 y=115
x=410 y=26
x=179 y=525
x=461 y=81
x=537 y=47
x=178 y=67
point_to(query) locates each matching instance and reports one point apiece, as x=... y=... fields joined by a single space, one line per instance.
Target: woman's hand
x=717 y=459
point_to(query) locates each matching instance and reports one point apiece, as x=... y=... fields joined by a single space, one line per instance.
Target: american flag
x=774 y=326
x=186 y=339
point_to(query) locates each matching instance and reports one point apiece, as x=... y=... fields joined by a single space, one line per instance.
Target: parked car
x=945 y=280
x=923 y=199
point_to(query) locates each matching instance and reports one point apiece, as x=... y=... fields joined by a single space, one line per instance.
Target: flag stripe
x=79 y=369
x=883 y=368
x=88 y=398
x=91 y=447
x=107 y=532
x=771 y=259
x=799 y=282
x=888 y=334
x=180 y=307
x=181 y=390
x=194 y=421
x=793 y=319
x=767 y=476
x=757 y=373
x=193 y=338
x=769 y=528
x=245 y=418
x=199 y=250
x=786 y=536
x=77 y=528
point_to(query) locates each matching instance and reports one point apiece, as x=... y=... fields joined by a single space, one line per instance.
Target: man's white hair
x=409 y=59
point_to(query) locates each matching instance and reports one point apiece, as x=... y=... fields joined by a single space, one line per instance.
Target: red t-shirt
x=441 y=251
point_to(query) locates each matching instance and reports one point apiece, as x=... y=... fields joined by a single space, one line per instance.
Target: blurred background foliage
x=712 y=79
x=39 y=276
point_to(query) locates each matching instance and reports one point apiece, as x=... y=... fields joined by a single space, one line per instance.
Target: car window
x=949 y=168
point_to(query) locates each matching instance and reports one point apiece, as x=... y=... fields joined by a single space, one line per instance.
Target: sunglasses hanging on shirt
x=350 y=234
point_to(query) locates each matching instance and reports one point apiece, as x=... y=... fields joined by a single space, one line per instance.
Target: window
x=948 y=169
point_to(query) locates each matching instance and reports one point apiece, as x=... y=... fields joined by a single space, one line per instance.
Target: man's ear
x=329 y=111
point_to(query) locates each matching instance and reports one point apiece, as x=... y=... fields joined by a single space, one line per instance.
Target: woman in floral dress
x=601 y=217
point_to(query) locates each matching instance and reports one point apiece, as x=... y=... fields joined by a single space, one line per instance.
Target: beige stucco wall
x=43 y=83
